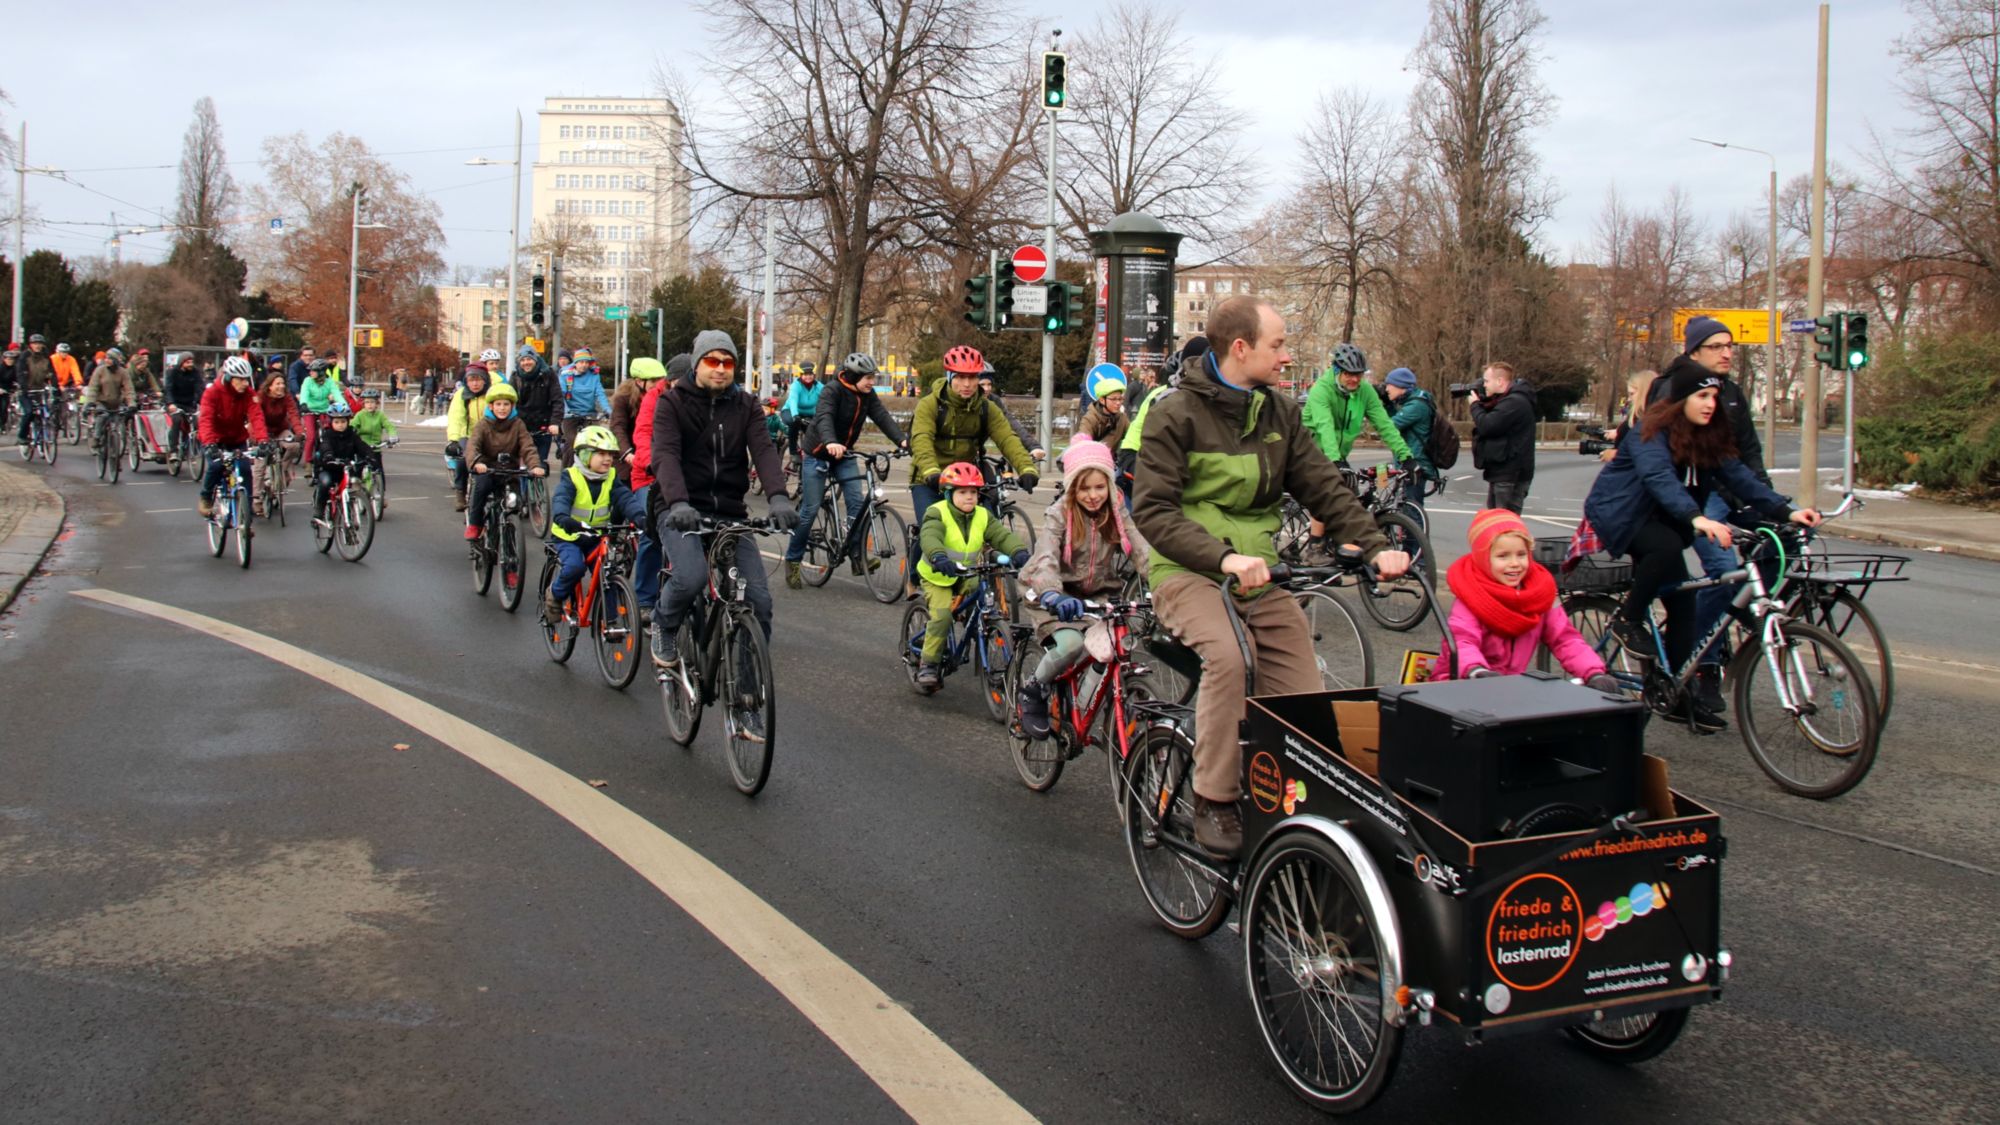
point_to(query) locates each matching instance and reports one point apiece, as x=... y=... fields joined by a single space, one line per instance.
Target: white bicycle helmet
x=490 y=355
x=236 y=367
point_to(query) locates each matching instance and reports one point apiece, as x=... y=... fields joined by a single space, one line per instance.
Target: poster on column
x=1146 y=320
x=1100 y=338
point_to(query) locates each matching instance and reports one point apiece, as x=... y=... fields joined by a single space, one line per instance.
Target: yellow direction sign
x=367 y=337
x=1748 y=326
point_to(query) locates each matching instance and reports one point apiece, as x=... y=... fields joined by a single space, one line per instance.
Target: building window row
x=598 y=132
x=600 y=156
x=575 y=107
x=627 y=208
x=602 y=183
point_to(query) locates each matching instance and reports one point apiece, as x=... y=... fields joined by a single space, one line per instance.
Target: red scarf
x=1507 y=610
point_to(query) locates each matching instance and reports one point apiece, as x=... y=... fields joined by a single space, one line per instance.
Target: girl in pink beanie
x=1507 y=607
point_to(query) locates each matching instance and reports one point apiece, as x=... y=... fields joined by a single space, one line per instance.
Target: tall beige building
x=473 y=318
x=608 y=164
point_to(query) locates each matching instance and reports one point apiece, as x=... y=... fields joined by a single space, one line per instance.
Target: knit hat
x=1491 y=524
x=582 y=353
x=527 y=352
x=1699 y=329
x=1194 y=348
x=1686 y=378
x=712 y=340
x=680 y=367
x=1086 y=453
x=1403 y=377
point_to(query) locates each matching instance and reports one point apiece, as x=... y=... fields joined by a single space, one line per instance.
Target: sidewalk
x=1922 y=525
x=31 y=515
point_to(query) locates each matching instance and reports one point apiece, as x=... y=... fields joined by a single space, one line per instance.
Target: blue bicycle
x=229 y=517
x=983 y=634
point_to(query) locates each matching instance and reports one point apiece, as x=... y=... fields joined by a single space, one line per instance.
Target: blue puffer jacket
x=1643 y=479
x=583 y=394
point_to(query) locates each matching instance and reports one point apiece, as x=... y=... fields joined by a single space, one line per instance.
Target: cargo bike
x=1494 y=855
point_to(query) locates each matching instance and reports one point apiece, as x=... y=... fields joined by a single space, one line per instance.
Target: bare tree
x=1149 y=130
x=201 y=252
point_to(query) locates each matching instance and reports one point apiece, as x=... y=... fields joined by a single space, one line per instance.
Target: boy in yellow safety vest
x=587 y=496
x=956 y=533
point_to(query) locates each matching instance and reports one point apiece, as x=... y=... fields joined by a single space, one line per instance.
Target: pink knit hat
x=1088 y=453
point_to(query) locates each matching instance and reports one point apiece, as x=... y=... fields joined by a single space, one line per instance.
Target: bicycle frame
x=871 y=499
x=1082 y=719
x=971 y=612
x=588 y=590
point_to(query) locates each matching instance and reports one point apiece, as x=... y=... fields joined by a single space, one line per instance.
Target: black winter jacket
x=1729 y=396
x=1503 y=433
x=703 y=445
x=541 y=400
x=842 y=411
x=184 y=388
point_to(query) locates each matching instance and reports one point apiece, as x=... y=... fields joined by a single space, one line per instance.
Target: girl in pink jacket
x=1507 y=606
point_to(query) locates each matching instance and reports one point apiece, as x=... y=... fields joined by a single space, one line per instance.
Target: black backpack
x=1442 y=445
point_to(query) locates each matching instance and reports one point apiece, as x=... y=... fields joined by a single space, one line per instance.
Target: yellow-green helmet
x=597 y=437
x=646 y=367
x=503 y=390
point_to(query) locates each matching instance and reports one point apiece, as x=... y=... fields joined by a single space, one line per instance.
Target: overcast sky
x=438 y=83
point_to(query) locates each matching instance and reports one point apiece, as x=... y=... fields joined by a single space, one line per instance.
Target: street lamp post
x=513 y=234
x=1771 y=277
x=356 y=226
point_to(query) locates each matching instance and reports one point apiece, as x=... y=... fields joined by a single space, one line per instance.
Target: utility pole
x=513 y=254
x=770 y=293
x=555 y=304
x=353 y=271
x=20 y=228
x=1809 y=406
x=1770 y=350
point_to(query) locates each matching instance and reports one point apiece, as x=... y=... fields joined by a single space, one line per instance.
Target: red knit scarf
x=1507 y=610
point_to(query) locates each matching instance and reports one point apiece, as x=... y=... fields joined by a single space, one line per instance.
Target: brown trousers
x=1190 y=606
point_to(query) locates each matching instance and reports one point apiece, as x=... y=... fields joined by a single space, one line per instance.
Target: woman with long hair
x=1648 y=503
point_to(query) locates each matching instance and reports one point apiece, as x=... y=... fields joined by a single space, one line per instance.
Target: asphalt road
x=232 y=891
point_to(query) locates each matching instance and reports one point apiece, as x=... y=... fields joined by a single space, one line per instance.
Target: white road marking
x=919 y=1071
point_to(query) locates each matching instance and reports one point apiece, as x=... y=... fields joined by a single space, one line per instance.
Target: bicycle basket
x=1847 y=569
x=1550 y=551
x=1596 y=574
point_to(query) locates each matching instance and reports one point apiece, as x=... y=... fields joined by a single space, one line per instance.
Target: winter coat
x=583 y=394
x=625 y=408
x=493 y=437
x=628 y=504
x=68 y=374
x=1503 y=433
x=1335 y=417
x=642 y=434
x=143 y=380
x=465 y=411
x=841 y=412
x=1482 y=647
x=1415 y=414
x=342 y=445
x=1090 y=566
x=110 y=386
x=280 y=417
x=1104 y=425
x=1643 y=479
x=315 y=395
x=801 y=401
x=295 y=375
x=1213 y=472
x=947 y=429
x=1729 y=396
x=34 y=372
x=184 y=388
x=374 y=426
x=702 y=447
x=229 y=419
x=541 y=401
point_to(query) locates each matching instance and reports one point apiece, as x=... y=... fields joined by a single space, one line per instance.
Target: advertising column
x=1134 y=271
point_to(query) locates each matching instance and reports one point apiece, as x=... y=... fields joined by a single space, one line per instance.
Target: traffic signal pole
x=1049 y=248
x=1809 y=406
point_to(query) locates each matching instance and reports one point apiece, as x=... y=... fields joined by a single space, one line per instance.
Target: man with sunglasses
x=1709 y=347
x=706 y=432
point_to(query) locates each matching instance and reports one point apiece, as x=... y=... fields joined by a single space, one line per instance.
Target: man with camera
x=1503 y=434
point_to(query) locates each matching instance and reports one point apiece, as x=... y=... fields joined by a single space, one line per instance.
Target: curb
x=1990 y=553
x=23 y=550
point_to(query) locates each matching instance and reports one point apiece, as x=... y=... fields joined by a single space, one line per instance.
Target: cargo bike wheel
x=1157 y=793
x=1321 y=954
x=1630 y=1039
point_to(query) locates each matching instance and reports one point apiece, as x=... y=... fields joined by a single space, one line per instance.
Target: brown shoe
x=458 y=501
x=1218 y=827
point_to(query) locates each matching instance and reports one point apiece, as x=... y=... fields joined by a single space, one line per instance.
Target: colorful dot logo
x=1641 y=900
x=1295 y=795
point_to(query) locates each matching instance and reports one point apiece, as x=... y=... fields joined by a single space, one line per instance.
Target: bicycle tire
x=618 y=632
x=1630 y=1039
x=1182 y=894
x=46 y=438
x=1310 y=926
x=134 y=454
x=356 y=531
x=749 y=702
x=680 y=693
x=1838 y=612
x=511 y=565
x=1340 y=645
x=323 y=529
x=242 y=518
x=816 y=565
x=483 y=552
x=538 y=501
x=1401 y=604
x=1591 y=614
x=1018 y=522
x=1294 y=532
x=218 y=528
x=558 y=636
x=103 y=452
x=1840 y=732
x=1038 y=761
x=378 y=493
x=1416 y=514
x=884 y=543
x=996 y=651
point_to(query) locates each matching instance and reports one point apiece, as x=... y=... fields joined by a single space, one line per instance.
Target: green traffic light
x=1055 y=98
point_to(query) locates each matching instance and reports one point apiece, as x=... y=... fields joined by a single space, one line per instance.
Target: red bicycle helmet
x=964 y=474
x=964 y=360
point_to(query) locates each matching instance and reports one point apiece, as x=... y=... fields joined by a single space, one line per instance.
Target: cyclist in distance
x=954 y=423
x=227 y=422
x=584 y=401
x=495 y=365
x=110 y=388
x=340 y=443
x=183 y=398
x=468 y=405
x=1218 y=458
x=375 y=428
x=35 y=370
x=989 y=385
x=541 y=401
x=706 y=432
x=316 y=395
x=279 y=412
x=1340 y=404
x=801 y=406
x=587 y=496
x=500 y=431
x=843 y=410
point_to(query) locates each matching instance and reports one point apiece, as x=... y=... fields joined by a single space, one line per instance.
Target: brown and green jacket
x=1214 y=467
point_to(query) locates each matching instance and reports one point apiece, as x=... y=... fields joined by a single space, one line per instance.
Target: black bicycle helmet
x=1348 y=359
x=858 y=364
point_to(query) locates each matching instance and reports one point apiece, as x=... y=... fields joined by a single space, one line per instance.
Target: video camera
x=1594 y=442
x=1476 y=388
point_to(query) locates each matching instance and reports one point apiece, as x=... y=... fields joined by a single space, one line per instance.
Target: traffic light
x=1073 y=296
x=654 y=317
x=1003 y=295
x=1854 y=340
x=979 y=301
x=1053 y=95
x=538 y=290
x=1826 y=334
x=1056 y=322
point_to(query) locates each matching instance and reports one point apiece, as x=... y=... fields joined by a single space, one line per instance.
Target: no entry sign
x=1030 y=264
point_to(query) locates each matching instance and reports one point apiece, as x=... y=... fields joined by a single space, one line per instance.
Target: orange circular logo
x=1534 y=932
x=1267 y=785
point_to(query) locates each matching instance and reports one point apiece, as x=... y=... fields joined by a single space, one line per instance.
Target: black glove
x=1605 y=682
x=1030 y=479
x=454 y=449
x=683 y=517
x=570 y=524
x=783 y=516
x=931 y=478
x=943 y=564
